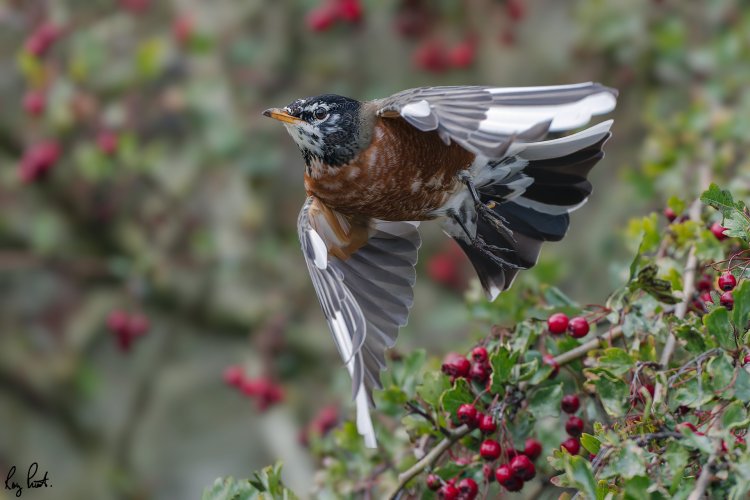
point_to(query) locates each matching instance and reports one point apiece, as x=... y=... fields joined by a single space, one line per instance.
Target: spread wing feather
x=365 y=298
x=487 y=120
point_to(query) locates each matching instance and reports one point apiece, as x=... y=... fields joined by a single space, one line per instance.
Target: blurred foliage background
x=148 y=210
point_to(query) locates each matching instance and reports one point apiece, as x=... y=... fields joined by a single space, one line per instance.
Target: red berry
x=574 y=426
x=746 y=360
x=42 y=39
x=578 y=327
x=234 y=375
x=456 y=365
x=467 y=414
x=503 y=474
x=550 y=360
x=183 y=29
x=489 y=449
x=444 y=269
x=468 y=488
x=106 y=140
x=449 y=492
x=557 y=323
x=739 y=441
x=38 y=160
x=325 y=420
x=433 y=482
x=704 y=284
x=117 y=321
x=462 y=55
x=570 y=403
x=34 y=102
x=350 y=11
x=718 y=231
x=430 y=55
x=522 y=468
x=479 y=354
x=515 y=9
x=320 y=19
x=572 y=445
x=252 y=387
x=532 y=448
x=727 y=281
x=727 y=300
x=505 y=477
x=487 y=424
x=480 y=372
x=138 y=324
x=706 y=298
x=135 y=6
x=670 y=214
x=269 y=394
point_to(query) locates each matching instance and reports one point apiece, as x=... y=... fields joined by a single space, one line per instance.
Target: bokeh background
x=148 y=249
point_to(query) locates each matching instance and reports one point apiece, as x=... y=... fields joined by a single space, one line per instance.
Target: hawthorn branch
x=702 y=483
x=429 y=460
x=584 y=348
x=688 y=287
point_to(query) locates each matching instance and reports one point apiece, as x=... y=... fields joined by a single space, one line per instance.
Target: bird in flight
x=473 y=158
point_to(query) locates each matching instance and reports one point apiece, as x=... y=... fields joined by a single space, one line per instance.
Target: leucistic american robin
x=473 y=158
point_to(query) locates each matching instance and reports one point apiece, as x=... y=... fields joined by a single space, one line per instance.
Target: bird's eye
x=320 y=114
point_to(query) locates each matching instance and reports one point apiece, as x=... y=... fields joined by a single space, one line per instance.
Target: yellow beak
x=281 y=115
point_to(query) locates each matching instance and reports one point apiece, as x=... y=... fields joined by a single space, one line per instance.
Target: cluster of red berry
x=574 y=426
x=127 y=327
x=265 y=390
x=325 y=421
x=478 y=369
x=726 y=283
x=324 y=16
x=577 y=327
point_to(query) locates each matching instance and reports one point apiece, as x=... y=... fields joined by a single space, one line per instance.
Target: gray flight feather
x=487 y=120
x=365 y=298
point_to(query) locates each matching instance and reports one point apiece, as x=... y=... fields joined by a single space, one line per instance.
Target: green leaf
x=694 y=341
x=591 y=443
x=630 y=462
x=736 y=219
x=579 y=472
x=637 y=487
x=693 y=440
x=433 y=385
x=616 y=360
x=719 y=327
x=741 y=309
x=742 y=386
x=614 y=394
x=554 y=297
x=502 y=363
x=658 y=288
x=677 y=458
x=455 y=397
x=719 y=373
x=734 y=416
x=545 y=401
x=265 y=484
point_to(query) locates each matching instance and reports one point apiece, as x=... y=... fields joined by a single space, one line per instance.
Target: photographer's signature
x=31 y=480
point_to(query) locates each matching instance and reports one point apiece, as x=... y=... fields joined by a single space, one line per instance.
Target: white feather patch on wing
x=320 y=250
x=418 y=109
x=515 y=119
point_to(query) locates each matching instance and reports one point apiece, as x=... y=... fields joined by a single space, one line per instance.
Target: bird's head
x=326 y=127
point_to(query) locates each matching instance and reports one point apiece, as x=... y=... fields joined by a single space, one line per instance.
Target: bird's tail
x=533 y=189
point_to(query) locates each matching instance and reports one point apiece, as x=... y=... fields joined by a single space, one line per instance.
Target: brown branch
x=429 y=460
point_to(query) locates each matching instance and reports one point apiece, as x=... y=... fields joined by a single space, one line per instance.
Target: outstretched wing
x=486 y=120
x=365 y=293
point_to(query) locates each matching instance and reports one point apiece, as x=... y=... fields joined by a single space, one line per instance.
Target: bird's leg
x=485 y=211
x=491 y=251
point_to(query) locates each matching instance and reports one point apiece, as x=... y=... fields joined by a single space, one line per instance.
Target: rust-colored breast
x=404 y=174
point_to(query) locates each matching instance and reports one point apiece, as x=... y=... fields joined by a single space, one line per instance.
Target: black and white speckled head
x=327 y=129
